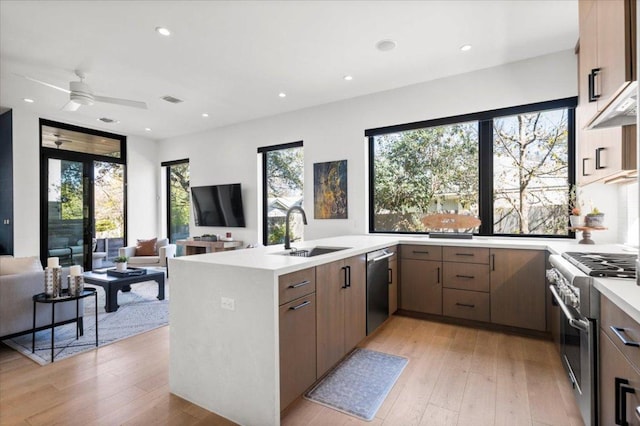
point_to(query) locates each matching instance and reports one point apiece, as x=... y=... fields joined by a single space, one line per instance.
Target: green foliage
x=416 y=169
x=120 y=259
x=276 y=234
x=180 y=209
x=285 y=169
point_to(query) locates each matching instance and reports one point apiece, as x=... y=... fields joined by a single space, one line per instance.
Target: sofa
x=20 y=279
x=149 y=253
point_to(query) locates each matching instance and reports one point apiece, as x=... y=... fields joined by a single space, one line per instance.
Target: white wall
x=336 y=132
x=143 y=178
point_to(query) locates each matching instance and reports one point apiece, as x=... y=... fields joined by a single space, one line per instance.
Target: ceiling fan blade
x=118 y=101
x=47 y=84
x=71 y=106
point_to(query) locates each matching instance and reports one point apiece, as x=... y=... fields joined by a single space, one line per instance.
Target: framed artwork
x=330 y=190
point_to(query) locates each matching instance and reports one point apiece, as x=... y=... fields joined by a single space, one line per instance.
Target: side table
x=43 y=298
x=586 y=233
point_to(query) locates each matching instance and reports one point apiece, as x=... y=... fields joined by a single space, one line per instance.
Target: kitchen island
x=224 y=327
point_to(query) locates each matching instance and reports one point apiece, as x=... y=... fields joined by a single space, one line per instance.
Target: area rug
x=359 y=384
x=139 y=311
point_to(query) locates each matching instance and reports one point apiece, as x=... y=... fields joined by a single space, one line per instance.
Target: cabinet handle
x=465 y=254
x=420 y=252
x=348 y=276
x=438 y=275
x=593 y=96
x=300 y=284
x=493 y=262
x=302 y=305
x=599 y=166
x=344 y=277
x=465 y=276
x=637 y=412
x=622 y=388
x=466 y=305
x=618 y=332
x=584 y=167
x=390 y=277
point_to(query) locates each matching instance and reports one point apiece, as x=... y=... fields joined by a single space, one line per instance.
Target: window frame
x=485 y=157
x=168 y=165
x=264 y=151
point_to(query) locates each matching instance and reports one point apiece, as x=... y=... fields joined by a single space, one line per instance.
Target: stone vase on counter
x=594 y=220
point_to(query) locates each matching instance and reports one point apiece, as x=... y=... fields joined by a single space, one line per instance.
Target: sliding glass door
x=83 y=202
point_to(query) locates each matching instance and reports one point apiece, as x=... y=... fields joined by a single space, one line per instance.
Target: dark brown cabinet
x=393 y=280
x=297 y=348
x=518 y=288
x=297 y=334
x=421 y=279
x=466 y=283
x=619 y=386
x=341 y=309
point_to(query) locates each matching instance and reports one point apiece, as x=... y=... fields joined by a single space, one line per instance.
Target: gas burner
x=604 y=264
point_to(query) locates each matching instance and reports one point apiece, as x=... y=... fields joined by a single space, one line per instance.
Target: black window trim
x=264 y=150
x=485 y=157
x=168 y=165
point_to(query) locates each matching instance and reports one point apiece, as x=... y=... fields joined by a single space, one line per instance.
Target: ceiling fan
x=81 y=93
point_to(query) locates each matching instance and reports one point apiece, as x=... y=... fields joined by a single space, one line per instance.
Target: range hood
x=621 y=111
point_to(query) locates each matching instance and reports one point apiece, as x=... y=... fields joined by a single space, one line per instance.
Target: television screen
x=218 y=205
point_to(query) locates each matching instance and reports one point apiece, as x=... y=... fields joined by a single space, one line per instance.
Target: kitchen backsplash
x=628 y=214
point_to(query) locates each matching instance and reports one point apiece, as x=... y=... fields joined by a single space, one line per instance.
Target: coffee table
x=112 y=285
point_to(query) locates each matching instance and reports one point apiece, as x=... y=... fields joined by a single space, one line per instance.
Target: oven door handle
x=574 y=322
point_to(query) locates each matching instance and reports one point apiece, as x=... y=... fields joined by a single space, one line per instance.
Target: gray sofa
x=20 y=280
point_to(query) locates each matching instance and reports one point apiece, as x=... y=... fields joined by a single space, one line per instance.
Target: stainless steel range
x=571 y=283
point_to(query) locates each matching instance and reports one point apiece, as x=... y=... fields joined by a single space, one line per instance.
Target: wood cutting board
x=450 y=221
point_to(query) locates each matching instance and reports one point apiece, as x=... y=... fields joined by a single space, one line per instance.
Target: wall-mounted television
x=218 y=205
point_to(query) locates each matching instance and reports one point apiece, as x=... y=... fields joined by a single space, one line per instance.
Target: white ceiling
x=232 y=58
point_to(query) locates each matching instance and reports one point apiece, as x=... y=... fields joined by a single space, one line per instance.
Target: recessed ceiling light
x=348 y=77
x=282 y=95
x=147 y=129
x=27 y=100
x=465 y=47
x=163 y=31
x=386 y=45
x=205 y=115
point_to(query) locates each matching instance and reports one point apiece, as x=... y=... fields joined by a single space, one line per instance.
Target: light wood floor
x=455 y=376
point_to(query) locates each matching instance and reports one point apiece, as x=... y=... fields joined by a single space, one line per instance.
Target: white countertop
x=623 y=292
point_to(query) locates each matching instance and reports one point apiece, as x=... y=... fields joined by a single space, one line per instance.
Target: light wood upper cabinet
x=341 y=309
x=606 y=63
x=518 y=288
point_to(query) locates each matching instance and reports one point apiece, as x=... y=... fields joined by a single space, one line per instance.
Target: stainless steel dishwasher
x=377 y=288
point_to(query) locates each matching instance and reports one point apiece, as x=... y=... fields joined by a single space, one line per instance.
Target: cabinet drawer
x=626 y=327
x=418 y=252
x=471 y=305
x=466 y=276
x=465 y=254
x=297 y=348
x=296 y=284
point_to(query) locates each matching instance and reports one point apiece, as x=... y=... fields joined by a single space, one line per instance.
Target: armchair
x=139 y=257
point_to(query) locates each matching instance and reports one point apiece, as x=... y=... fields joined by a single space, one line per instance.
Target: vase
x=574 y=221
x=121 y=266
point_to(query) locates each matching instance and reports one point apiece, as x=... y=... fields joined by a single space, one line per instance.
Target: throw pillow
x=19 y=265
x=146 y=247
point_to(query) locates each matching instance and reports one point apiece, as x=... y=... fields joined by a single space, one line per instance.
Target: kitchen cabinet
x=393 y=280
x=518 y=288
x=341 y=309
x=605 y=66
x=466 y=283
x=421 y=279
x=297 y=348
x=297 y=334
x=619 y=386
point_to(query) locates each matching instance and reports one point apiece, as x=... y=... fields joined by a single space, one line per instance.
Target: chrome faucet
x=287 y=240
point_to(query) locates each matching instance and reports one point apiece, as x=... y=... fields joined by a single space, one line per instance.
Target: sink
x=311 y=251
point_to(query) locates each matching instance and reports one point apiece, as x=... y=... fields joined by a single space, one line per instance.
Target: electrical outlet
x=228 y=303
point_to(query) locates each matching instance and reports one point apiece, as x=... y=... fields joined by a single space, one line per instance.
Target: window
x=178 y=204
x=282 y=188
x=512 y=168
